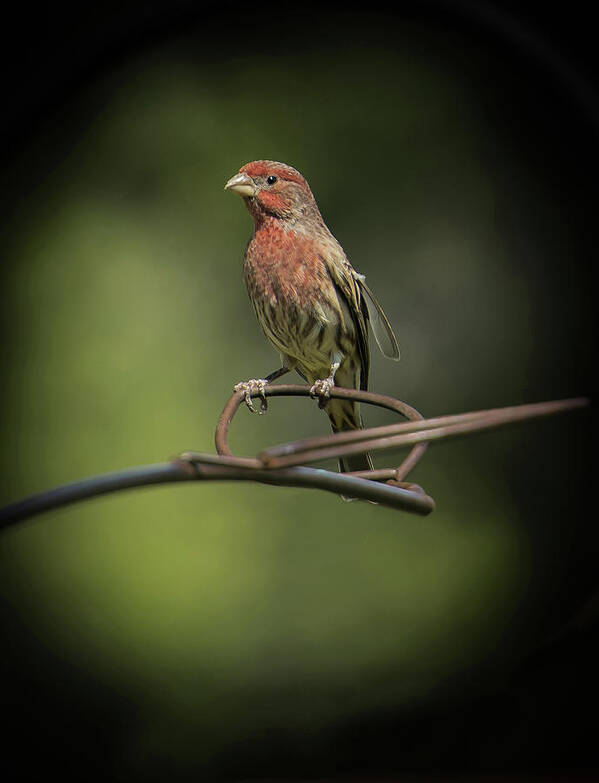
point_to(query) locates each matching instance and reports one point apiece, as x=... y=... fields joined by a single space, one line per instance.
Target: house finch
x=311 y=303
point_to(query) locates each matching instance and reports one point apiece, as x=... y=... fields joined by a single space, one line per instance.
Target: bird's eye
x=271 y=180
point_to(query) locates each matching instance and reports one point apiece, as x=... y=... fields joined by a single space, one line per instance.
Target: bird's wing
x=381 y=328
x=348 y=288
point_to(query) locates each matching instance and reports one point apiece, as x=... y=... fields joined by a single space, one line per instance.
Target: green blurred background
x=223 y=629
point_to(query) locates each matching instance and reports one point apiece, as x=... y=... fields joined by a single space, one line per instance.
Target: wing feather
x=346 y=285
x=381 y=328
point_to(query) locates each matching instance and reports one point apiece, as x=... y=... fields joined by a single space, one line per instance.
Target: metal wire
x=336 y=441
x=285 y=464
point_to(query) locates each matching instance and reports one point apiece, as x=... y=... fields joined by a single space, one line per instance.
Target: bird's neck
x=271 y=223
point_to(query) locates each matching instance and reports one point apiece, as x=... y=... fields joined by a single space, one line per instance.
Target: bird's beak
x=242 y=185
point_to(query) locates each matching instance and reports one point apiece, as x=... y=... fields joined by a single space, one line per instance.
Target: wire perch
x=285 y=464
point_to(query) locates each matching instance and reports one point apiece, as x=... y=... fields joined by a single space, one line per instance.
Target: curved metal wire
x=318 y=444
x=285 y=464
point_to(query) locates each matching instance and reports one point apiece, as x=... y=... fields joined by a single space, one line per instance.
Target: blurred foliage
x=223 y=610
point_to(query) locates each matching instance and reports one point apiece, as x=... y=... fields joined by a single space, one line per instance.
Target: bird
x=311 y=303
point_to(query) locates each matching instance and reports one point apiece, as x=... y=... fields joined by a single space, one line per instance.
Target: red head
x=275 y=190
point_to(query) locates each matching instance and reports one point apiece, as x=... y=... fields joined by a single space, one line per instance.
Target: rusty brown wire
x=418 y=432
x=286 y=464
x=319 y=444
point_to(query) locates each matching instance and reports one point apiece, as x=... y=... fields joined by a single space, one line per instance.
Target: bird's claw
x=255 y=386
x=321 y=390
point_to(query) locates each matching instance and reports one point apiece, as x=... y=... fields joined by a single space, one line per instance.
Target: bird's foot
x=321 y=390
x=255 y=386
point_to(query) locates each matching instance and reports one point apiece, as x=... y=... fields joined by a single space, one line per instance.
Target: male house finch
x=311 y=303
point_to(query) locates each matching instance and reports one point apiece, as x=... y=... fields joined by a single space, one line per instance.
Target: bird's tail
x=345 y=415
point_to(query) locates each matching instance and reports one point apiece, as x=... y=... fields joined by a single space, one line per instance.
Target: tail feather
x=355 y=462
x=344 y=415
